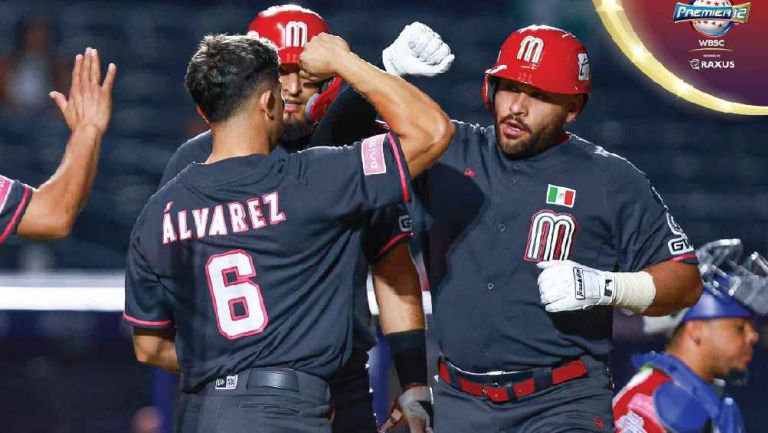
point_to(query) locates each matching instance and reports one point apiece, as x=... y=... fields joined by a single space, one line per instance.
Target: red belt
x=504 y=392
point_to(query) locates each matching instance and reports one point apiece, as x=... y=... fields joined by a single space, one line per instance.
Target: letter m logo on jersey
x=295 y=34
x=550 y=236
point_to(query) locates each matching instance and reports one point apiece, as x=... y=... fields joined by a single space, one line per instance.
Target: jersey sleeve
x=196 y=149
x=645 y=231
x=347 y=180
x=350 y=118
x=14 y=199
x=386 y=228
x=146 y=304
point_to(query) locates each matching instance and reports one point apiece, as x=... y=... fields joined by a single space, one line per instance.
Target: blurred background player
x=31 y=68
x=49 y=211
x=683 y=388
x=417 y=51
x=267 y=342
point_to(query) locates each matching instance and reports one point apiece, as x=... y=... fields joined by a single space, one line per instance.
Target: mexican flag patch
x=560 y=195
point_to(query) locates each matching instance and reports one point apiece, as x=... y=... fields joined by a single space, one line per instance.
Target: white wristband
x=634 y=290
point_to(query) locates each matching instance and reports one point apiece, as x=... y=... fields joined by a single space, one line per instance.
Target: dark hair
x=227 y=69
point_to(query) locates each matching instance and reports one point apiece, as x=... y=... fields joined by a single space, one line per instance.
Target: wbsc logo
x=711 y=18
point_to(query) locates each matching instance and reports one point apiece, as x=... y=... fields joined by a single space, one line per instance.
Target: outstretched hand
x=90 y=100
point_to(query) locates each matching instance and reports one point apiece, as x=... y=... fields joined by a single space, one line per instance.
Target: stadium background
x=63 y=371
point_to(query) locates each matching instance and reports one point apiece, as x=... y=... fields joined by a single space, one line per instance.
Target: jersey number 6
x=237 y=300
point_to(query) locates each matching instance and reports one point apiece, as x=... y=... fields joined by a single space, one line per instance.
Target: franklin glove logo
x=578 y=280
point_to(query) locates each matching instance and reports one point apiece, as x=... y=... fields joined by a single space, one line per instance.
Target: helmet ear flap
x=319 y=102
x=489 y=91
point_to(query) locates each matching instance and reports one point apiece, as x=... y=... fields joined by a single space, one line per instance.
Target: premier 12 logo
x=711 y=18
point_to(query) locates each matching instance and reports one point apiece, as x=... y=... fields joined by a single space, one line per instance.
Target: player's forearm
x=423 y=128
x=678 y=286
x=165 y=360
x=398 y=292
x=401 y=315
x=156 y=348
x=56 y=203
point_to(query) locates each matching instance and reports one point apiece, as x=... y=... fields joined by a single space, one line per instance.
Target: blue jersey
x=491 y=218
x=14 y=199
x=252 y=259
x=382 y=231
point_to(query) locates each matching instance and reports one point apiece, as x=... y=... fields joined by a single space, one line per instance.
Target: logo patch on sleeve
x=5 y=191
x=679 y=243
x=372 y=153
x=405 y=223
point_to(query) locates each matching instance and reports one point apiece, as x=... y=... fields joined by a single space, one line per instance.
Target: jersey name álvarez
x=383 y=230
x=253 y=259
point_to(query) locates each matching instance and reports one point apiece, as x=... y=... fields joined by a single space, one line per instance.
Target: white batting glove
x=566 y=286
x=417 y=51
x=414 y=406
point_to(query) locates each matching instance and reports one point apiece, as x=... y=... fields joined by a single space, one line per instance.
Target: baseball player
x=417 y=51
x=241 y=270
x=49 y=211
x=533 y=234
x=525 y=349
x=682 y=389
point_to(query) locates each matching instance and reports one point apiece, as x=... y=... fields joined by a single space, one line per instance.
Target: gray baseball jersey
x=491 y=218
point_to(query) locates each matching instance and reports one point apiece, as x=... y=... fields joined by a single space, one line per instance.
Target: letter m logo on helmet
x=295 y=34
x=530 y=49
x=289 y=27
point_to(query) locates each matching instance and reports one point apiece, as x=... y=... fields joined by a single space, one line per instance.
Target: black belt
x=251 y=380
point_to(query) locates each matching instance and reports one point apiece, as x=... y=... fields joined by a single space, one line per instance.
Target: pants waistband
x=251 y=380
x=508 y=387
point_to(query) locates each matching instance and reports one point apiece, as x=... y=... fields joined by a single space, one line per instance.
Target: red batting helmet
x=544 y=57
x=290 y=27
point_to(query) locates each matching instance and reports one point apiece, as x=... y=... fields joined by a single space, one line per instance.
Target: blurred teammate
x=240 y=270
x=417 y=51
x=49 y=211
x=681 y=389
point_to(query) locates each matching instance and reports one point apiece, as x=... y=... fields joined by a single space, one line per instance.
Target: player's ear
x=575 y=105
x=696 y=330
x=268 y=103
x=200 y=112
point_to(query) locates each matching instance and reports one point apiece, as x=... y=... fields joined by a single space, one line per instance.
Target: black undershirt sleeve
x=350 y=118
